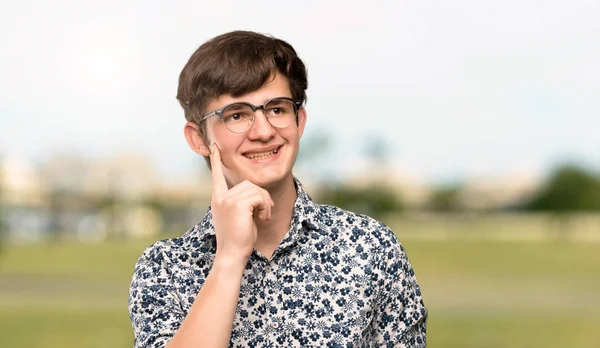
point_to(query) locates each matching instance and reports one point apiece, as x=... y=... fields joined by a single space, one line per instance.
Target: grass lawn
x=479 y=294
x=56 y=327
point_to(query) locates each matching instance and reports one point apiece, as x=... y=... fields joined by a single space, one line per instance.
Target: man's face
x=264 y=154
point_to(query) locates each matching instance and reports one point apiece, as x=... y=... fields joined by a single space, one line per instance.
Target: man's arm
x=210 y=319
x=156 y=313
x=401 y=317
x=154 y=308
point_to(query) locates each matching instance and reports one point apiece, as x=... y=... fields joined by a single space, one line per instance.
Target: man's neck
x=270 y=233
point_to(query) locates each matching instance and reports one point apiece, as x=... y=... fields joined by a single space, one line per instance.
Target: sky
x=451 y=89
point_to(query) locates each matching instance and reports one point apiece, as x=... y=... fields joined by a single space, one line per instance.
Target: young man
x=267 y=266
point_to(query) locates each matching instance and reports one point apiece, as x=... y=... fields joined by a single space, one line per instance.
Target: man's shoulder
x=355 y=227
x=175 y=247
x=157 y=250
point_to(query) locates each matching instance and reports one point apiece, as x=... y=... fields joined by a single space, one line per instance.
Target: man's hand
x=234 y=211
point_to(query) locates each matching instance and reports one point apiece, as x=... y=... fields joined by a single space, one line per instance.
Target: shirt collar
x=304 y=215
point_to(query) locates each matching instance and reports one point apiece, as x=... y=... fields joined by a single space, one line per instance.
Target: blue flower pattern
x=337 y=279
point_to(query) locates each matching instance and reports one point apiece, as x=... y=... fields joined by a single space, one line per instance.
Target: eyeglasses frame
x=219 y=111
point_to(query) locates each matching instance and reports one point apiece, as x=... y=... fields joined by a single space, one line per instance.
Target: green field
x=479 y=293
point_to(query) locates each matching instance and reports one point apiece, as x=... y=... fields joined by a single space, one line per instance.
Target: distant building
x=499 y=191
x=411 y=190
x=21 y=200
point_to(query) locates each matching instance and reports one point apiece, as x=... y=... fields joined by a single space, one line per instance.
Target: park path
x=441 y=293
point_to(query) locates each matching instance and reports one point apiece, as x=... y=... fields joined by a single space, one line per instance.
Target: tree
x=63 y=177
x=570 y=188
x=377 y=149
x=445 y=199
x=375 y=201
x=314 y=146
x=313 y=156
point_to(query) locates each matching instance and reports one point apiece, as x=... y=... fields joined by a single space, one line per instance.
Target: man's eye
x=234 y=117
x=277 y=111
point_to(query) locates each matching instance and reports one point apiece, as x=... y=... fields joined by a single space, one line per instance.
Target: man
x=267 y=266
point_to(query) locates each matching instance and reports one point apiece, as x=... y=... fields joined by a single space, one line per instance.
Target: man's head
x=244 y=66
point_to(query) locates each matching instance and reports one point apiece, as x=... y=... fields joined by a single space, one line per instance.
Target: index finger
x=219 y=184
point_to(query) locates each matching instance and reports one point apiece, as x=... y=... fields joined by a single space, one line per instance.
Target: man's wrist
x=229 y=266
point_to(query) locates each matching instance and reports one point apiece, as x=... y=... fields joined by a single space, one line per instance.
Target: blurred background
x=471 y=128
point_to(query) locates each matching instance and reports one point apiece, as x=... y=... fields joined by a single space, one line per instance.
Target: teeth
x=260 y=155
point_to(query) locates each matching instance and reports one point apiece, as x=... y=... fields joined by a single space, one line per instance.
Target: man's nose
x=261 y=129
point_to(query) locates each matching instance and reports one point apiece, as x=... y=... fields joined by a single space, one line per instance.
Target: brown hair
x=236 y=63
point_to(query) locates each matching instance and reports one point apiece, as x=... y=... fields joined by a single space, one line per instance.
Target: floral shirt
x=337 y=279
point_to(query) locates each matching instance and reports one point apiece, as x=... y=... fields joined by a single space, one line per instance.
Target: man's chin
x=268 y=181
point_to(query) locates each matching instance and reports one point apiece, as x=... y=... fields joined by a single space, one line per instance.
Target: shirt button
x=275 y=325
x=268 y=268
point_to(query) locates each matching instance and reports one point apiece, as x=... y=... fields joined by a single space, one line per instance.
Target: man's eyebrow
x=268 y=99
x=237 y=106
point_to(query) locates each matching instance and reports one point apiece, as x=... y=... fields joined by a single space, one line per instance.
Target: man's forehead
x=273 y=88
x=228 y=99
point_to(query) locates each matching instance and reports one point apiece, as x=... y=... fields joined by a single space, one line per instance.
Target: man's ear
x=301 y=121
x=195 y=140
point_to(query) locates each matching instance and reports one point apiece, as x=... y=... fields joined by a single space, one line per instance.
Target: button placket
x=270 y=278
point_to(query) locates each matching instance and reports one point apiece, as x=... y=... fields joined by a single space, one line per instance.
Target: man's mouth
x=261 y=155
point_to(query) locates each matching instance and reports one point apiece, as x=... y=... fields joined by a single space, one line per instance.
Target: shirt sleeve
x=154 y=307
x=400 y=319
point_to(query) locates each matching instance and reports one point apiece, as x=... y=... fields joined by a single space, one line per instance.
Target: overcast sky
x=455 y=87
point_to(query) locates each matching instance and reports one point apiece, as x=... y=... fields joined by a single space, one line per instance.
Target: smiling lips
x=261 y=155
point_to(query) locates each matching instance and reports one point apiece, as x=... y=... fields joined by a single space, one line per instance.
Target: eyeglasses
x=239 y=117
